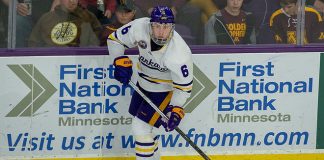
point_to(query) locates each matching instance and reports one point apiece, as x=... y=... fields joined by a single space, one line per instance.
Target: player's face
x=124 y=17
x=161 y=30
x=69 y=5
x=290 y=9
x=234 y=5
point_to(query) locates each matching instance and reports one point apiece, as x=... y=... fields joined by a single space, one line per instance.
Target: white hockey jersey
x=167 y=69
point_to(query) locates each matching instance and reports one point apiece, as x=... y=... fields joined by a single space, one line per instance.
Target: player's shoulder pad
x=178 y=50
x=140 y=25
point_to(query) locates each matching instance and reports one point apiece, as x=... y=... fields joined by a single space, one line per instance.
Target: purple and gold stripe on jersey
x=154 y=80
x=183 y=87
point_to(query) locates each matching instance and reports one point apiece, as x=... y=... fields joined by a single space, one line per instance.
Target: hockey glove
x=123 y=69
x=175 y=115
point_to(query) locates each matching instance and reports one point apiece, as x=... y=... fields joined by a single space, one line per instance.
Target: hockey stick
x=183 y=135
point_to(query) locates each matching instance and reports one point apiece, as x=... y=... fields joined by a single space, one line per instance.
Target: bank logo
x=41 y=90
x=202 y=87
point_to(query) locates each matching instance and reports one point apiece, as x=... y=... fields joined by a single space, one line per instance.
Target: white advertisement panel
x=72 y=106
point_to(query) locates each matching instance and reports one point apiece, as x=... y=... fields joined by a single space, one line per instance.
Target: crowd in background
x=81 y=23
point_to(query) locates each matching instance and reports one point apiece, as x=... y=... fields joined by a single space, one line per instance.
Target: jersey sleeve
x=182 y=78
x=276 y=28
x=315 y=27
x=123 y=38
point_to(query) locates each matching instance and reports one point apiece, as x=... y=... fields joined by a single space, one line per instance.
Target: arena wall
x=244 y=106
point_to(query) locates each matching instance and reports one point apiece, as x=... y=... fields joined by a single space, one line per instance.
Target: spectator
x=262 y=10
x=3 y=24
x=208 y=8
x=283 y=23
x=230 y=25
x=103 y=9
x=27 y=17
x=125 y=13
x=67 y=25
x=319 y=6
x=181 y=10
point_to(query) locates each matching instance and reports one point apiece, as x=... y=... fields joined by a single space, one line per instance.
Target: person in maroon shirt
x=103 y=14
x=231 y=25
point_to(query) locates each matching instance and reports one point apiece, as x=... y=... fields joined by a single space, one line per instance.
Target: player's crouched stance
x=165 y=72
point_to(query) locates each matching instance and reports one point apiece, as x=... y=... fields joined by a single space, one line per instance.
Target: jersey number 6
x=125 y=30
x=184 y=70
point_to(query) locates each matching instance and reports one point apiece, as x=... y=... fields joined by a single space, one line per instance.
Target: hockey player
x=165 y=72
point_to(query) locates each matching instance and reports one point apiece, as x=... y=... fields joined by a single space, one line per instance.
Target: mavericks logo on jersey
x=142 y=44
x=64 y=33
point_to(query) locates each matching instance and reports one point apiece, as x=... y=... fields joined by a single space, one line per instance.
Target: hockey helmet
x=162 y=17
x=162 y=14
